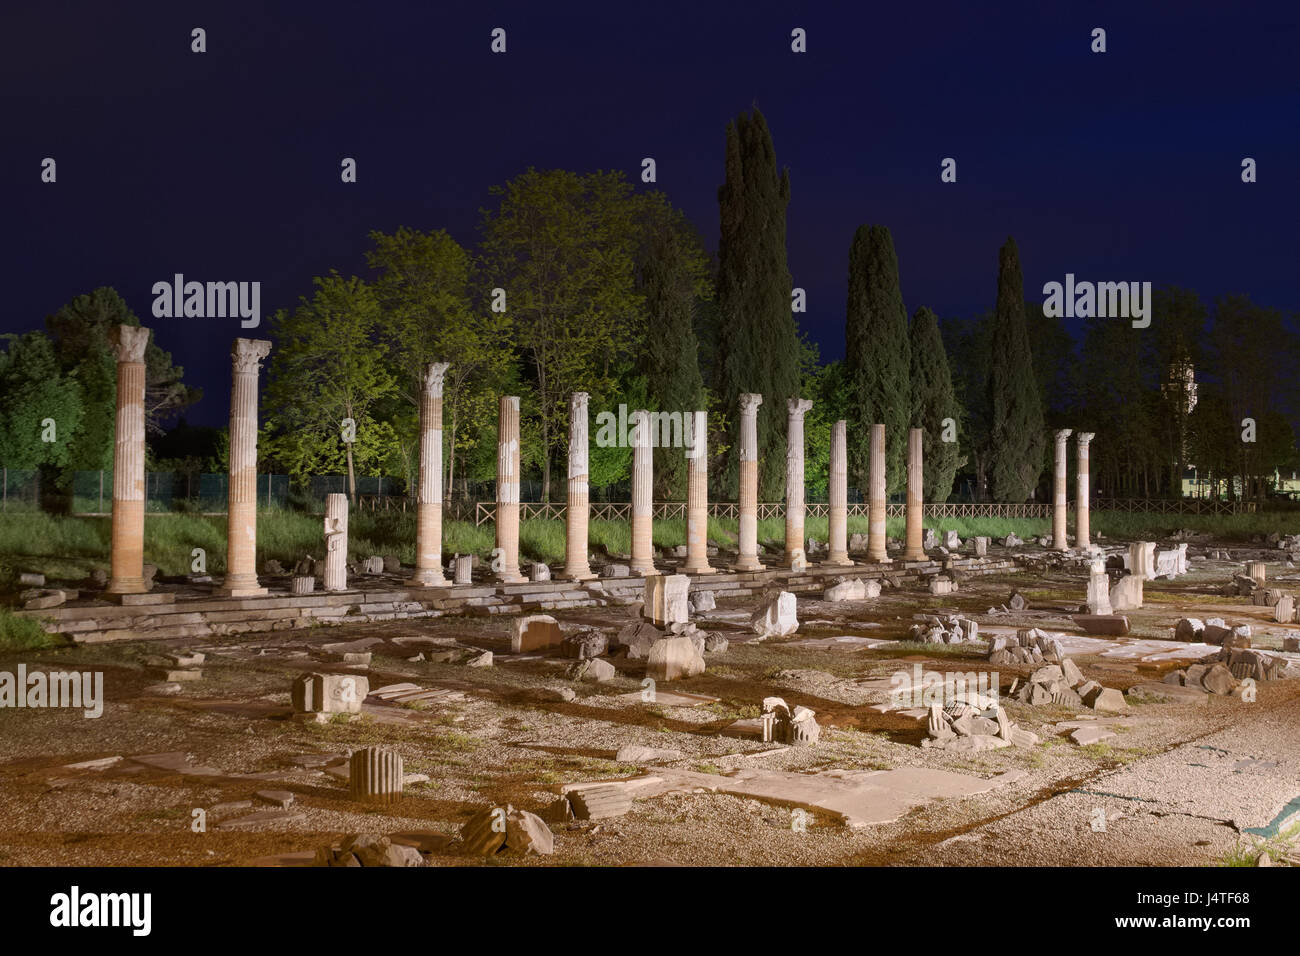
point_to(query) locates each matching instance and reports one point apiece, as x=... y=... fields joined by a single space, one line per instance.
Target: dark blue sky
x=225 y=165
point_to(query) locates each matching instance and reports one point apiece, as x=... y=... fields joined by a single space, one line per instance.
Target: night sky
x=225 y=165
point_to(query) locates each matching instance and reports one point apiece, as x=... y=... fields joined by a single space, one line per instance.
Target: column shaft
x=794 y=480
x=643 y=555
x=428 y=529
x=578 y=508
x=241 y=523
x=747 y=510
x=915 y=536
x=838 y=488
x=876 y=550
x=506 y=560
x=336 y=542
x=697 y=497
x=1081 y=529
x=127 y=557
x=1060 y=504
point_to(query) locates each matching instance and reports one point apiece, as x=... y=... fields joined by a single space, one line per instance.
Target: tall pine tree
x=757 y=341
x=933 y=401
x=877 y=359
x=1017 y=440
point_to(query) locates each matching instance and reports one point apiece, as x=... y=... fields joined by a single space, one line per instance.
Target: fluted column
x=241 y=524
x=643 y=554
x=838 y=487
x=578 y=508
x=127 y=577
x=1081 y=530
x=915 y=537
x=506 y=560
x=794 y=464
x=747 y=509
x=336 y=542
x=697 y=497
x=1060 y=502
x=876 y=551
x=428 y=528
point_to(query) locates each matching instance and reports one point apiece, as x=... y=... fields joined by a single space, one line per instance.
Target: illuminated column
x=241 y=524
x=1060 y=503
x=697 y=497
x=643 y=554
x=128 y=343
x=428 y=528
x=508 y=491
x=876 y=509
x=838 y=533
x=794 y=458
x=1081 y=530
x=748 y=504
x=577 y=512
x=914 y=542
x=336 y=542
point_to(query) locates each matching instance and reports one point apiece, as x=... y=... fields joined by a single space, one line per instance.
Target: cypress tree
x=1017 y=440
x=757 y=341
x=933 y=400
x=877 y=359
x=673 y=274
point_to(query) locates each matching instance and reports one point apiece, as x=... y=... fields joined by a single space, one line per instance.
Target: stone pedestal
x=241 y=523
x=375 y=775
x=1142 y=559
x=697 y=498
x=1098 y=589
x=1081 y=530
x=506 y=560
x=127 y=576
x=428 y=532
x=464 y=573
x=747 y=560
x=1257 y=570
x=838 y=488
x=1060 y=504
x=643 y=553
x=914 y=549
x=336 y=542
x=577 y=566
x=794 y=462
x=876 y=552
x=667 y=600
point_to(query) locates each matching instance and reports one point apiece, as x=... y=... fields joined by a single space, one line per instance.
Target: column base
x=880 y=559
x=125 y=586
x=747 y=563
x=582 y=575
x=428 y=579
x=699 y=569
x=644 y=572
x=134 y=598
x=239 y=592
x=511 y=579
x=917 y=555
x=838 y=561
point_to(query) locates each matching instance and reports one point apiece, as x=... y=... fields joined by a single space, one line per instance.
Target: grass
x=21 y=633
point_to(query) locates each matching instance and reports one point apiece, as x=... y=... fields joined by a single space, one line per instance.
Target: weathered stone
x=667 y=599
x=464 y=569
x=375 y=775
x=534 y=632
x=1106 y=699
x=634 y=753
x=480 y=660
x=329 y=693
x=942 y=585
x=1219 y=680
x=1017 y=601
x=850 y=589
x=597 y=671
x=599 y=803
x=586 y=643
x=517 y=832
x=703 y=600
x=1284 y=610
x=46 y=598
x=637 y=639
x=1126 y=594
x=715 y=643
x=615 y=571
x=1106 y=625
x=674 y=658
x=1070 y=672
x=1085 y=736
x=777 y=618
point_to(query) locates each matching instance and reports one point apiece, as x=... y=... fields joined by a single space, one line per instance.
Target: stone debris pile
x=944 y=629
x=978 y=723
x=368 y=849
x=1213 y=631
x=851 y=589
x=1031 y=645
x=1064 y=684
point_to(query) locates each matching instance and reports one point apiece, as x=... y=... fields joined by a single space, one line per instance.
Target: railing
x=1175 y=506
x=485 y=511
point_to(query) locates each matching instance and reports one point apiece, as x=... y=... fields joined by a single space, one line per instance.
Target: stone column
x=838 y=525
x=914 y=542
x=876 y=509
x=697 y=497
x=748 y=505
x=643 y=552
x=1081 y=504
x=127 y=577
x=241 y=525
x=507 y=521
x=428 y=528
x=1060 y=504
x=578 y=508
x=336 y=542
x=794 y=462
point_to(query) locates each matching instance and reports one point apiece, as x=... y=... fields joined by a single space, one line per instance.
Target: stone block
x=329 y=693
x=674 y=658
x=535 y=632
x=667 y=599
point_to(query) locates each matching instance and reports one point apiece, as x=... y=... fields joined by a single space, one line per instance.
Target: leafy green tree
x=933 y=402
x=877 y=358
x=327 y=369
x=1017 y=439
x=424 y=288
x=33 y=391
x=756 y=338
x=562 y=246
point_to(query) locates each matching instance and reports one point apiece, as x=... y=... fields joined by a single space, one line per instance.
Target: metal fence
x=20 y=489
x=166 y=491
